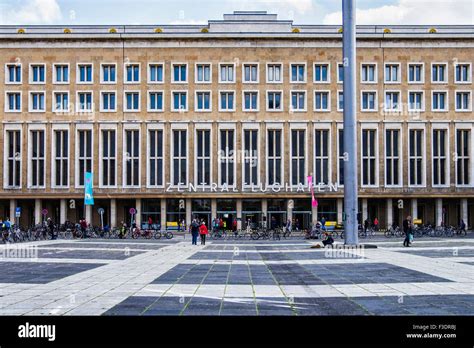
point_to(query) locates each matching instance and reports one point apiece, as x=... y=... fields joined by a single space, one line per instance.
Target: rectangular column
x=414 y=209
x=213 y=208
x=314 y=214
x=364 y=210
x=113 y=212
x=289 y=210
x=11 y=216
x=265 y=213
x=188 y=212
x=38 y=218
x=138 y=215
x=439 y=211
x=163 y=214
x=62 y=211
x=239 y=214
x=340 y=208
x=464 y=213
x=389 y=212
x=88 y=217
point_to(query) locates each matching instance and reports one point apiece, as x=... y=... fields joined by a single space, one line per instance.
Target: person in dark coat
x=194 y=231
x=407 y=228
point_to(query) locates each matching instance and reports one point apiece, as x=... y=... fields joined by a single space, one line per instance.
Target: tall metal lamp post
x=350 y=123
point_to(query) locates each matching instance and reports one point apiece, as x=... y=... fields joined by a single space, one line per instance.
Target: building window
x=226 y=73
x=369 y=157
x=439 y=73
x=226 y=101
x=416 y=101
x=180 y=73
x=322 y=101
x=250 y=157
x=274 y=102
x=13 y=102
x=13 y=150
x=416 y=157
x=250 y=101
x=38 y=73
x=203 y=73
x=61 y=73
x=84 y=73
x=439 y=157
x=463 y=101
x=392 y=73
x=180 y=101
x=132 y=157
x=463 y=155
x=155 y=101
x=392 y=101
x=203 y=157
x=298 y=146
x=416 y=73
x=369 y=101
x=61 y=158
x=109 y=74
x=321 y=156
x=109 y=101
x=462 y=73
x=132 y=73
x=179 y=157
x=155 y=169
x=368 y=73
x=250 y=73
x=132 y=101
x=203 y=101
x=13 y=73
x=321 y=73
x=392 y=157
x=340 y=156
x=109 y=157
x=37 y=102
x=274 y=157
x=226 y=157
x=439 y=101
x=84 y=100
x=84 y=158
x=274 y=73
x=37 y=158
x=340 y=101
x=61 y=102
x=156 y=73
x=298 y=100
x=298 y=73
x=340 y=73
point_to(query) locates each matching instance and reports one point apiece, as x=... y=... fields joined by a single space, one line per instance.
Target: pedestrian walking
x=408 y=229
x=194 y=231
x=203 y=232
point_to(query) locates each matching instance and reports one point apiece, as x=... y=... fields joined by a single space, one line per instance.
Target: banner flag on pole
x=88 y=194
x=314 y=201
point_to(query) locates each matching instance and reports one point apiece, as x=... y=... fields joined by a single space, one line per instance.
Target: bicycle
x=166 y=234
x=393 y=232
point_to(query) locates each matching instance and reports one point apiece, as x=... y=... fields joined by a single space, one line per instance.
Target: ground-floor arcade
x=173 y=211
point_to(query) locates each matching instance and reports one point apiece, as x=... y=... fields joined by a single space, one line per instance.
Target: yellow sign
x=417 y=221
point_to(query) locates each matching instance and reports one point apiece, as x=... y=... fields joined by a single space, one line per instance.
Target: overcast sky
x=199 y=11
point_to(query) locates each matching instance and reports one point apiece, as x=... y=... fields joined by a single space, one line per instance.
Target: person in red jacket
x=203 y=232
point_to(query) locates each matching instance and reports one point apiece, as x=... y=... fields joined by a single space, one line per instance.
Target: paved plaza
x=287 y=277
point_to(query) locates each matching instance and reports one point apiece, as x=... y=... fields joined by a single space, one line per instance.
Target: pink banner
x=314 y=201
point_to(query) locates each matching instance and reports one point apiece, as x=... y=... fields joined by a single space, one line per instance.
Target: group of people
x=375 y=224
x=198 y=228
x=220 y=224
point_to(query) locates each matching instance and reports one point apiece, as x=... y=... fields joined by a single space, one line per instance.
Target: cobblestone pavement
x=286 y=277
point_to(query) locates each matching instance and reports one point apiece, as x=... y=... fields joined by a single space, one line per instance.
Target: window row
x=61 y=101
x=229 y=157
x=227 y=72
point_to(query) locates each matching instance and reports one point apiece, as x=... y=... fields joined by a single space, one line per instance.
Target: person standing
x=203 y=232
x=407 y=228
x=376 y=224
x=194 y=231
